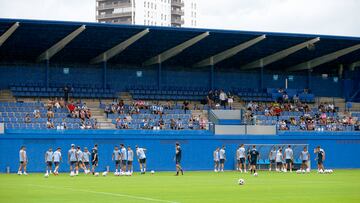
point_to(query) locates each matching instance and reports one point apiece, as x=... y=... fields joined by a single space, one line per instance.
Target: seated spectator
x=62 y=125
x=161 y=124
x=95 y=124
x=191 y=123
x=49 y=123
x=50 y=113
x=62 y=102
x=88 y=113
x=129 y=118
x=71 y=107
x=172 y=124
x=27 y=118
x=145 y=124
x=202 y=124
x=179 y=124
x=57 y=104
x=282 y=125
x=125 y=124
x=37 y=113
x=107 y=111
x=223 y=98
x=296 y=98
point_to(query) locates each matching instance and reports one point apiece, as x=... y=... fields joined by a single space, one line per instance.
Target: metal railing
x=113 y=15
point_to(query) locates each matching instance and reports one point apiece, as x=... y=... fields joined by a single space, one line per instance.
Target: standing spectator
x=186 y=106
x=230 y=100
x=223 y=98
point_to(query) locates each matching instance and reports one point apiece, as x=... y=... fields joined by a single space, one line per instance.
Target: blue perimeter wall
x=342 y=149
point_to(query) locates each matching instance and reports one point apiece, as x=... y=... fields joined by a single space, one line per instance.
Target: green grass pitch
x=340 y=187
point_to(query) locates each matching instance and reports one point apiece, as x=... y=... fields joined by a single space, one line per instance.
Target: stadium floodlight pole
x=161 y=58
x=213 y=60
x=279 y=55
x=46 y=55
x=8 y=33
x=323 y=59
x=118 y=48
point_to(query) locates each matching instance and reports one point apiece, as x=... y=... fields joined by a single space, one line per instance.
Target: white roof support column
x=229 y=52
x=118 y=48
x=175 y=50
x=8 y=33
x=278 y=55
x=61 y=44
x=324 y=59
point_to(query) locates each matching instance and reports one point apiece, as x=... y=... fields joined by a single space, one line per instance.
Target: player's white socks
x=19 y=173
x=144 y=169
x=116 y=171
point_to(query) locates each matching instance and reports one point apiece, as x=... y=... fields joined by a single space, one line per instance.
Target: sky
x=329 y=17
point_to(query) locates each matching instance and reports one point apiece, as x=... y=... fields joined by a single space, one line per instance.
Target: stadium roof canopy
x=92 y=43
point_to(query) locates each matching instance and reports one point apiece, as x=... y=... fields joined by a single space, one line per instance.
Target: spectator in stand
x=57 y=104
x=145 y=124
x=296 y=98
x=230 y=100
x=125 y=124
x=49 y=123
x=121 y=107
x=67 y=89
x=63 y=124
x=191 y=123
x=107 y=111
x=62 y=103
x=129 y=118
x=179 y=124
x=202 y=124
x=223 y=98
x=210 y=98
x=50 y=113
x=71 y=107
x=95 y=124
x=172 y=124
x=37 y=113
x=185 y=106
x=27 y=118
x=161 y=124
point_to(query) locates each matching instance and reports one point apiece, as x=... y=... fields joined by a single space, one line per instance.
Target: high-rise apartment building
x=174 y=13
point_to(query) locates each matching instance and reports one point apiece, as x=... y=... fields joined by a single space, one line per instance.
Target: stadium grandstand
x=121 y=81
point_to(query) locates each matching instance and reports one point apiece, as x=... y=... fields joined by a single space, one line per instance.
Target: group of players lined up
x=278 y=160
x=77 y=159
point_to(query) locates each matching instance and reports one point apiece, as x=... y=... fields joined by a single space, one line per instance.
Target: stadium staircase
x=99 y=115
x=6 y=96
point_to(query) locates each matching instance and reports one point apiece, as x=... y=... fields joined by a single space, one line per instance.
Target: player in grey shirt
x=272 y=157
x=57 y=159
x=289 y=157
x=305 y=157
x=222 y=158
x=86 y=159
x=216 y=159
x=140 y=153
x=130 y=159
x=240 y=156
x=80 y=161
x=48 y=160
x=123 y=155
x=23 y=160
x=117 y=158
x=72 y=159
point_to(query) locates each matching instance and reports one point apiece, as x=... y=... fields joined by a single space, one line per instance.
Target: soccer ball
x=298 y=171
x=321 y=171
x=303 y=171
x=255 y=174
x=331 y=171
x=152 y=172
x=46 y=175
x=104 y=173
x=308 y=170
x=72 y=174
x=241 y=181
x=121 y=173
x=96 y=174
x=116 y=174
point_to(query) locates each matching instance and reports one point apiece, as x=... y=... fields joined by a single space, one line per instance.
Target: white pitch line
x=107 y=193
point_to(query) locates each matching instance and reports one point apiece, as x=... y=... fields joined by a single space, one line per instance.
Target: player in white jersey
x=116 y=158
x=216 y=160
x=140 y=153
x=289 y=157
x=279 y=160
x=130 y=159
x=305 y=157
x=241 y=157
x=123 y=158
x=48 y=160
x=80 y=161
x=23 y=160
x=72 y=159
x=222 y=157
x=272 y=157
x=57 y=158
x=86 y=159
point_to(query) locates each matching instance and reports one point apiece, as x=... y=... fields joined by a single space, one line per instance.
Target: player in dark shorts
x=178 y=152
x=254 y=154
x=320 y=157
x=94 y=158
x=248 y=159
